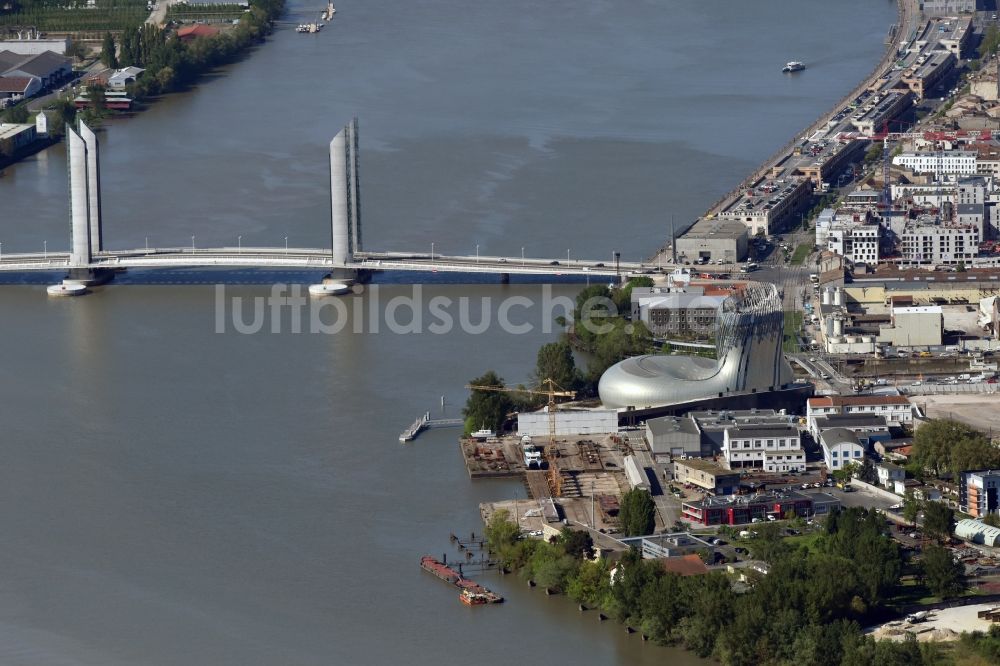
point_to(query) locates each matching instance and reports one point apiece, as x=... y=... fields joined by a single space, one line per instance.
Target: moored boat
x=479 y=595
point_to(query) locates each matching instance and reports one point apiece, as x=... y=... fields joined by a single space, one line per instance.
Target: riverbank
x=170 y=60
x=908 y=17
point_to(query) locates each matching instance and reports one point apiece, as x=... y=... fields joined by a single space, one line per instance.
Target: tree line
x=171 y=64
x=808 y=609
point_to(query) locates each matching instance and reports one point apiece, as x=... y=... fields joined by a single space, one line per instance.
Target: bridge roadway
x=318 y=259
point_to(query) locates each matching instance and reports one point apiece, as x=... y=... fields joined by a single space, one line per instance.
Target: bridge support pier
x=90 y=277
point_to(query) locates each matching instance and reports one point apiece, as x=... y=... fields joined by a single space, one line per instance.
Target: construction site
x=578 y=478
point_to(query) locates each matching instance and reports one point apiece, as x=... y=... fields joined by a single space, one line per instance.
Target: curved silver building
x=749 y=333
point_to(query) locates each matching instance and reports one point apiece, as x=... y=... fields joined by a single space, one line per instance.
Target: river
x=177 y=495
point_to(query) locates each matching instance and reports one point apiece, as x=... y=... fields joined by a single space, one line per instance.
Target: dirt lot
x=941 y=625
x=977 y=410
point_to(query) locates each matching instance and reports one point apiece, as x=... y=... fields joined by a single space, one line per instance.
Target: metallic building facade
x=749 y=358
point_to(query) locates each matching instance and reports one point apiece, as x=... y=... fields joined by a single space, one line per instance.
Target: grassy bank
x=793 y=324
x=801 y=254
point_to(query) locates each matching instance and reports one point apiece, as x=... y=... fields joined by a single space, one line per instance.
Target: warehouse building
x=674 y=437
x=707 y=475
x=915 y=326
x=715 y=240
x=568 y=422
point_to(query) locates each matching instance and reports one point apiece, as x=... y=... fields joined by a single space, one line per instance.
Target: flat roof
x=849 y=420
x=712 y=228
x=8 y=130
x=709 y=466
x=847 y=400
x=747 y=500
x=752 y=430
x=919 y=309
x=668 y=424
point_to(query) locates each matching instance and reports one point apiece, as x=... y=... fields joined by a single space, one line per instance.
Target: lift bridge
x=88 y=261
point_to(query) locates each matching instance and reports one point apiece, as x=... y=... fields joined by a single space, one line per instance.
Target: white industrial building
x=568 y=422
x=914 y=326
x=772 y=448
x=30 y=47
x=840 y=446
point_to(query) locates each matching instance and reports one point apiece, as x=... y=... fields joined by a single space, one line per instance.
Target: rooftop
x=769 y=430
x=834 y=436
x=668 y=424
x=772 y=497
x=918 y=309
x=850 y=421
x=13 y=129
x=708 y=466
x=851 y=400
x=714 y=228
x=685 y=565
x=15 y=84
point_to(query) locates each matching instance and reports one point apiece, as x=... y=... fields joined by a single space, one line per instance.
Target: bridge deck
x=318 y=259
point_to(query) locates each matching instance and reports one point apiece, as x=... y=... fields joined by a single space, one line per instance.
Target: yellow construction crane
x=552 y=392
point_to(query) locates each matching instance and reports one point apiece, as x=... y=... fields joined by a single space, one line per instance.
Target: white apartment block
x=952 y=162
x=858 y=243
x=895 y=408
x=771 y=448
x=939 y=244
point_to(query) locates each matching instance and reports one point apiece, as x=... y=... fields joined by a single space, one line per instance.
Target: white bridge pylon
x=84 y=195
x=345 y=199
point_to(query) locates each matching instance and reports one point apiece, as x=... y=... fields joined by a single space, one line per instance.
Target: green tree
x=577 y=543
x=78 y=50
x=165 y=79
x=98 y=101
x=637 y=513
x=874 y=153
x=942 y=574
x=944 y=445
x=992 y=519
x=501 y=531
x=555 y=361
x=17 y=114
x=487 y=409
x=866 y=472
x=911 y=508
x=845 y=473
x=63 y=113
x=990 y=42
x=938 y=520
x=109 y=51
